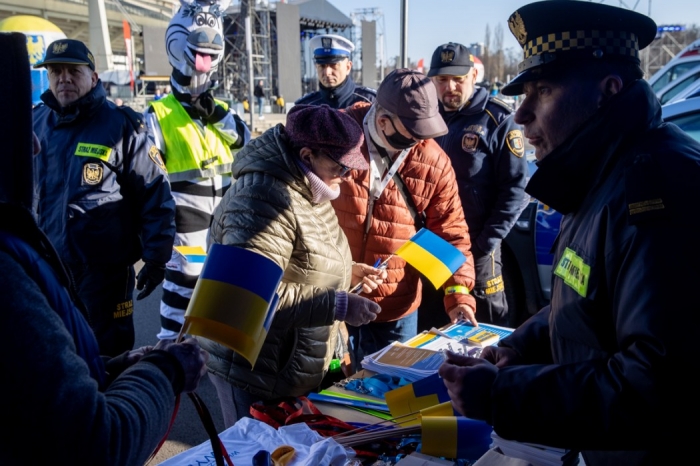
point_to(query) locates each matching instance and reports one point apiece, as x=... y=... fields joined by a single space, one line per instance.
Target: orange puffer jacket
x=428 y=175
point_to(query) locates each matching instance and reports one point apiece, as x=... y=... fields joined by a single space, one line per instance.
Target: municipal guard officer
x=103 y=196
x=605 y=367
x=336 y=87
x=486 y=149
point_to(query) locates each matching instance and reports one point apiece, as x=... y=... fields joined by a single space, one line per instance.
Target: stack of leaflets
x=539 y=455
x=422 y=355
x=404 y=361
x=464 y=332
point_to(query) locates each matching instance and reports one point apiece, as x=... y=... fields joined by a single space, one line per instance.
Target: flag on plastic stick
x=443 y=409
x=432 y=256
x=455 y=437
x=192 y=253
x=416 y=396
x=234 y=300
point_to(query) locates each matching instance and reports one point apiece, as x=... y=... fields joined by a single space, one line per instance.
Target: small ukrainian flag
x=234 y=300
x=432 y=256
x=455 y=437
x=193 y=254
x=417 y=396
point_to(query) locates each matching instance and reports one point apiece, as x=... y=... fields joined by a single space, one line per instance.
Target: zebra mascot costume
x=198 y=137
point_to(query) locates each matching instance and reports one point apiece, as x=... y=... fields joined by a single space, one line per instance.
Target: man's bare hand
x=371 y=277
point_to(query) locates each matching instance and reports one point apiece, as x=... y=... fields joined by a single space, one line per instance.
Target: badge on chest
x=92 y=173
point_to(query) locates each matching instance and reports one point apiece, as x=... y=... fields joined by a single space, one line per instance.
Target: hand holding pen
x=367 y=278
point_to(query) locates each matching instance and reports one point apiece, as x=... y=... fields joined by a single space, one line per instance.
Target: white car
x=685 y=114
x=686 y=60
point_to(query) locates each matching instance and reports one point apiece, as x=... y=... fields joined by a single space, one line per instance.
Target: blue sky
x=434 y=22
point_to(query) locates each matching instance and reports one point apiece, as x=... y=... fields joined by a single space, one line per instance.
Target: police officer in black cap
x=103 y=196
x=602 y=369
x=337 y=89
x=486 y=148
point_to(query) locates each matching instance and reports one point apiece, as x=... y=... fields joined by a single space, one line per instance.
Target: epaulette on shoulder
x=134 y=117
x=305 y=98
x=501 y=104
x=644 y=193
x=369 y=90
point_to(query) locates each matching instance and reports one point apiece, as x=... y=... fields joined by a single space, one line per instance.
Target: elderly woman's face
x=327 y=169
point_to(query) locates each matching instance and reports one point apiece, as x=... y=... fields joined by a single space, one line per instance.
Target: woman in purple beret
x=280 y=207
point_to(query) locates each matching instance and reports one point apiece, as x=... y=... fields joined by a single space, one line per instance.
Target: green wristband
x=456 y=289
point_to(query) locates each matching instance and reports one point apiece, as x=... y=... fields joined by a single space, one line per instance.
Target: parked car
x=527 y=258
x=527 y=261
x=676 y=87
x=687 y=59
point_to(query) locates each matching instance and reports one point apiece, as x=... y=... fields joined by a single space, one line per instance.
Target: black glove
x=207 y=109
x=361 y=310
x=149 y=278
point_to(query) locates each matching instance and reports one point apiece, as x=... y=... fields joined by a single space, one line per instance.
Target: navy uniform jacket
x=102 y=191
x=486 y=148
x=610 y=358
x=343 y=96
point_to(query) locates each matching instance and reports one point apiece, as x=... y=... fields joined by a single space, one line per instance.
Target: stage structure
x=369 y=39
x=280 y=32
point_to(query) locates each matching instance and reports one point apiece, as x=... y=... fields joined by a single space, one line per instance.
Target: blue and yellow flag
x=192 y=253
x=455 y=437
x=234 y=300
x=432 y=256
x=416 y=396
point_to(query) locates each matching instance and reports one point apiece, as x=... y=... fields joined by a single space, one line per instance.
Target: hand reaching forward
x=501 y=356
x=192 y=358
x=462 y=312
x=468 y=381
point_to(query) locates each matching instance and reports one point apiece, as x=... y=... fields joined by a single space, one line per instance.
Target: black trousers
x=107 y=291
x=491 y=304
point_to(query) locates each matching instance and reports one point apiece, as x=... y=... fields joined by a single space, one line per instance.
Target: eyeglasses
x=343 y=169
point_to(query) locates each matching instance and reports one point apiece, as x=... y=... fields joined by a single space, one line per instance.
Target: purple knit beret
x=323 y=128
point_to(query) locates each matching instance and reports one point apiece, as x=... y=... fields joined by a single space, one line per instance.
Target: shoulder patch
x=368 y=90
x=515 y=142
x=154 y=155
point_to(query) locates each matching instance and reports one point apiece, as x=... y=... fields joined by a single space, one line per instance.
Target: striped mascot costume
x=198 y=137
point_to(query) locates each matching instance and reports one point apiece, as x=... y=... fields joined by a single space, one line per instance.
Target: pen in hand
x=377 y=264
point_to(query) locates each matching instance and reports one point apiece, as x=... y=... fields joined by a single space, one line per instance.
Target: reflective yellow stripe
x=97 y=151
x=189 y=153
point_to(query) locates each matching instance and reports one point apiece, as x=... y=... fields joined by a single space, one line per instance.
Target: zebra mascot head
x=194 y=41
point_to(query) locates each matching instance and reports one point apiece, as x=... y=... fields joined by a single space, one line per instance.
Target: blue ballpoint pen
x=358 y=287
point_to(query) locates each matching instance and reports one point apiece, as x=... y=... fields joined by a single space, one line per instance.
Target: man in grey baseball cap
x=411 y=185
x=487 y=152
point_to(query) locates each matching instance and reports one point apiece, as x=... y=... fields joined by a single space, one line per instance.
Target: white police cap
x=330 y=48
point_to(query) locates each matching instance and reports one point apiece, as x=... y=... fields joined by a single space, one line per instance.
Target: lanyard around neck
x=377 y=185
